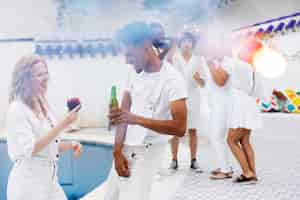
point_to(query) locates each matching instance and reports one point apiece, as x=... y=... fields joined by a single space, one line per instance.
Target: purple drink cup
x=72 y=103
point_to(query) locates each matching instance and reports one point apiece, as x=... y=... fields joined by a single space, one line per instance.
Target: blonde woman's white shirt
x=23 y=129
x=31 y=177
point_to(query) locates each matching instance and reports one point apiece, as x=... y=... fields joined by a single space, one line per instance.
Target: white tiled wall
x=91 y=81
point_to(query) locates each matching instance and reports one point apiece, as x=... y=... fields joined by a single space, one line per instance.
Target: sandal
x=216 y=171
x=220 y=176
x=244 y=179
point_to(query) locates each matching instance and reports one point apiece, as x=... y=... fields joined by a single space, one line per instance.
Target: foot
x=220 y=176
x=174 y=165
x=218 y=170
x=195 y=166
x=246 y=180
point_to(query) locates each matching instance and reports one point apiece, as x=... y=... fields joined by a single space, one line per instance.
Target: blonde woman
x=33 y=134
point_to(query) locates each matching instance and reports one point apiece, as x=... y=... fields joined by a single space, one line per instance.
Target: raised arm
x=20 y=131
x=200 y=81
x=219 y=75
x=42 y=142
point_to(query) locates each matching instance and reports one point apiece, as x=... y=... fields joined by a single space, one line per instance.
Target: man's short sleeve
x=176 y=89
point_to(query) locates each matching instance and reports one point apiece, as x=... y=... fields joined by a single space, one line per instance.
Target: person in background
x=218 y=88
x=187 y=63
x=153 y=108
x=243 y=118
x=33 y=134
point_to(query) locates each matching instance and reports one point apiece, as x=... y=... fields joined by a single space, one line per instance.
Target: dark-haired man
x=153 y=109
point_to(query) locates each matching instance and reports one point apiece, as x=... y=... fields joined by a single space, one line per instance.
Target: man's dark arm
x=176 y=126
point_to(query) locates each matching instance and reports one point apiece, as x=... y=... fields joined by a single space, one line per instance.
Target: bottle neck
x=113 y=97
x=113 y=93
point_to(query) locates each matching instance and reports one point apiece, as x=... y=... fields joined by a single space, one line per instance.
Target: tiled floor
x=278 y=168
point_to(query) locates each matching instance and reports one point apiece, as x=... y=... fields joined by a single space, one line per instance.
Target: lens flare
x=269 y=62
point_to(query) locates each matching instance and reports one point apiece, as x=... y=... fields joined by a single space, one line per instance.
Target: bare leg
x=233 y=139
x=174 y=147
x=247 y=148
x=193 y=143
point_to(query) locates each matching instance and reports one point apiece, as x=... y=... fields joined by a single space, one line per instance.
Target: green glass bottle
x=113 y=103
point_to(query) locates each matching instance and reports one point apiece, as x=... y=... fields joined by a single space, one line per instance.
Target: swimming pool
x=77 y=177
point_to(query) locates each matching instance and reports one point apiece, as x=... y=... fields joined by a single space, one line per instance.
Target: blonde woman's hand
x=71 y=117
x=77 y=148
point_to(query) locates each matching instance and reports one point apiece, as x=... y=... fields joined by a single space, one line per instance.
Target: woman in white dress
x=33 y=134
x=243 y=118
x=187 y=63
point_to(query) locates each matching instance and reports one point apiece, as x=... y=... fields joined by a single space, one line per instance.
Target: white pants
x=34 y=180
x=144 y=162
x=218 y=133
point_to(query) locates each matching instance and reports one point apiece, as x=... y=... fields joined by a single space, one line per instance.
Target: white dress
x=32 y=177
x=243 y=111
x=187 y=69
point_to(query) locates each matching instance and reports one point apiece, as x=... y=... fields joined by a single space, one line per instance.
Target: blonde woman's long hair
x=22 y=81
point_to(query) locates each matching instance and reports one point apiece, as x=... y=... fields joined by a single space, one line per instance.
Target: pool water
x=77 y=177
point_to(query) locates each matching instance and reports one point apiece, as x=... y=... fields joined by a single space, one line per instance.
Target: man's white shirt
x=151 y=95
